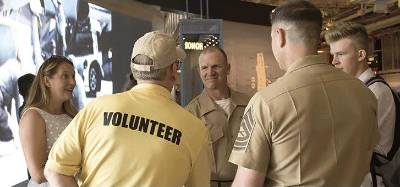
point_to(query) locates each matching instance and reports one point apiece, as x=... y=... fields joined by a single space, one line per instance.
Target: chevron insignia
x=245 y=131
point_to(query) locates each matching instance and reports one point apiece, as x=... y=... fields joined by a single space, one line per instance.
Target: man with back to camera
x=140 y=137
x=316 y=125
x=221 y=109
x=349 y=46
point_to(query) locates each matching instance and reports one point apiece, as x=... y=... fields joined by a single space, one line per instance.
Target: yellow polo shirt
x=136 y=138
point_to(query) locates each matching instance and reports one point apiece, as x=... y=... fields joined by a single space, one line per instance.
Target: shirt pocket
x=216 y=134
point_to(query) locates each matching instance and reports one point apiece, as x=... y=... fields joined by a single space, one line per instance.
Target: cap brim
x=180 y=53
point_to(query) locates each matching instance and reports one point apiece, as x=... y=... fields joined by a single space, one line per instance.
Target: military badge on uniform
x=245 y=131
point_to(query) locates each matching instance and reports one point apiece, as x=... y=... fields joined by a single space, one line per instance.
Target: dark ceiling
x=232 y=10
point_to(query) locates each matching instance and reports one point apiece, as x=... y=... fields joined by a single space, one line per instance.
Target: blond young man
x=348 y=43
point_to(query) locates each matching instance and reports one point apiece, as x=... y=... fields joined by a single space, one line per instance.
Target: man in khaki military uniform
x=221 y=108
x=316 y=125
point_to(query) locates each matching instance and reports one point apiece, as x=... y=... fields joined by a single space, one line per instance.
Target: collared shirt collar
x=153 y=88
x=208 y=105
x=366 y=75
x=308 y=61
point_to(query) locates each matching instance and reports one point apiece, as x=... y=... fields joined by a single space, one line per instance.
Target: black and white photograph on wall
x=34 y=30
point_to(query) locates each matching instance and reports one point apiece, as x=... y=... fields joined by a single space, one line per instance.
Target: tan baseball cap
x=158 y=46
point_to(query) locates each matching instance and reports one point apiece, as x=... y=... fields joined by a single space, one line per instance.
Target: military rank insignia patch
x=245 y=131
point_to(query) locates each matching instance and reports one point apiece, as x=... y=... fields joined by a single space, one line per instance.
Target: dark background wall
x=126 y=30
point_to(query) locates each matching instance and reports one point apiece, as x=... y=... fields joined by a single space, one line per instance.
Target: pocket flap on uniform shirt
x=216 y=133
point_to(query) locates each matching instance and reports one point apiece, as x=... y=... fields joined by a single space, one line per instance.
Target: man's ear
x=173 y=70
x=281 y=36
x=228 y=68
x=362 y=55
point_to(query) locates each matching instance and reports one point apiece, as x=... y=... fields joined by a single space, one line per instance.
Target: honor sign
x=193 y=45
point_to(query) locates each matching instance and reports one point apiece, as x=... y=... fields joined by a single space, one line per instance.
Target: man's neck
x=160 y=83
x=362 y=69
x=295 y=53
x=218 y=94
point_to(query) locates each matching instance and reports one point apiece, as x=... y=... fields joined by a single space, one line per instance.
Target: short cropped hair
x=153 y=74
x=354 y=31
x=215 y=49
x=303 y=16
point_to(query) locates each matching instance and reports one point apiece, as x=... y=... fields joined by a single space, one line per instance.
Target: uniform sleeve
x=65 y=155
x=190 y=108
x=200 y=173
x=252 y=146
x=386 y=116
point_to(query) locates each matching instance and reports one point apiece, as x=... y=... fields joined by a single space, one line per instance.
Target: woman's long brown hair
x=39 y=93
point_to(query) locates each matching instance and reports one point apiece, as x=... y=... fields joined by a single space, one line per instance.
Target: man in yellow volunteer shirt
x=136 y=138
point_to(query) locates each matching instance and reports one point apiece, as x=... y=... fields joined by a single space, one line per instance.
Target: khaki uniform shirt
x=315 y=126
x=222 y=129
